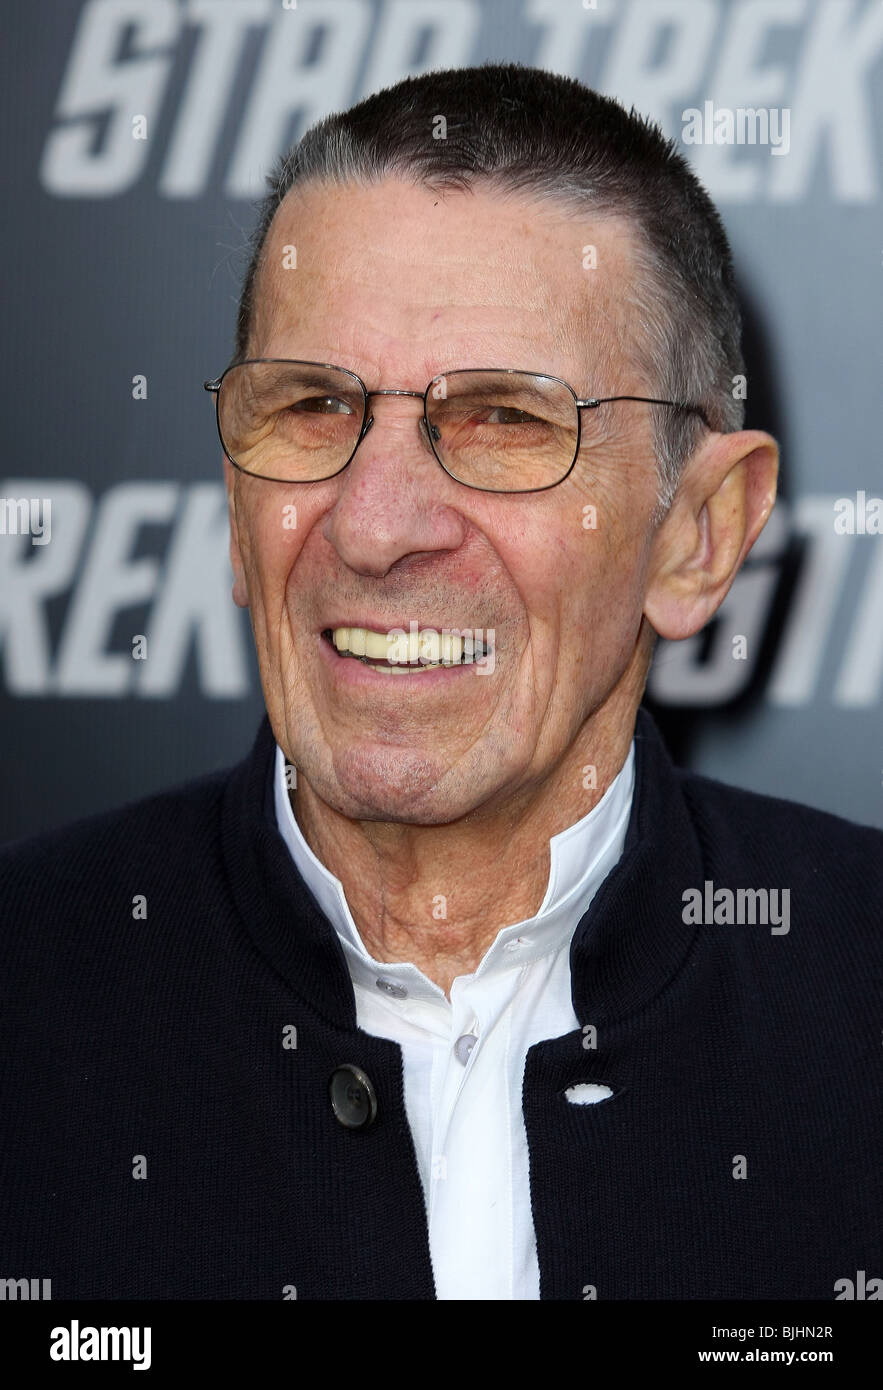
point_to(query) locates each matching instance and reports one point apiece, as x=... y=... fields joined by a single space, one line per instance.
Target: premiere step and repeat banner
x=137 y=137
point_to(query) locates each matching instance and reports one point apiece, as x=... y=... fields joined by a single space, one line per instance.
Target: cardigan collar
x=626 y=947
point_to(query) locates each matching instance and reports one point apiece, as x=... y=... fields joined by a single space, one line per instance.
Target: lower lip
x=356 y=673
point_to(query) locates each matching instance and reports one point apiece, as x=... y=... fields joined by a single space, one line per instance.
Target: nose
x=394 y=498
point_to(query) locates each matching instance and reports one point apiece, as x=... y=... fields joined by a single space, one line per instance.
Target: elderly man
x=456 y=988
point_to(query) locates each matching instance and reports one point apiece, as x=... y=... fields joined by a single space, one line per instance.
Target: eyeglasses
x=494 y=429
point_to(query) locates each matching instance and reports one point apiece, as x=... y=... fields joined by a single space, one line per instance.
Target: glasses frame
x=590 y=403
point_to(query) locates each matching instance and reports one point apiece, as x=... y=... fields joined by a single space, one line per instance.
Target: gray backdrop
x=122 y=258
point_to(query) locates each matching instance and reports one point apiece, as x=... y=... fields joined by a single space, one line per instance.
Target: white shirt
x=463 y=1101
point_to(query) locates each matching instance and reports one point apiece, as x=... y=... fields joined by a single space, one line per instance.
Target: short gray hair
x=535 y=132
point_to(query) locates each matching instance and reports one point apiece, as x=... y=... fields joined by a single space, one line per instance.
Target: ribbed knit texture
x=163 y=1037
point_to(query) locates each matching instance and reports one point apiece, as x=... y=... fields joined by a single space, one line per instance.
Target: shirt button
x=518 y=944
x=389 y=987
x=353 y=1098
x=463 y=1047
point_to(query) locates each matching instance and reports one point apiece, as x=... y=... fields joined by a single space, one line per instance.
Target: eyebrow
x=507 y=388
x=500 y=387
x=318 y=376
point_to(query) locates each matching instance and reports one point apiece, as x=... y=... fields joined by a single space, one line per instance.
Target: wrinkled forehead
x=398 y=267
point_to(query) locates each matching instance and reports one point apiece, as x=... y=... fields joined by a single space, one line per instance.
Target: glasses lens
x=503 y=431
x=291 y=421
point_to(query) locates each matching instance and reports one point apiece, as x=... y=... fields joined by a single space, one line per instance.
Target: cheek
x=591 y=545
x=594 y=573
x=611 y=539
x=271 y=542
x=564 y=563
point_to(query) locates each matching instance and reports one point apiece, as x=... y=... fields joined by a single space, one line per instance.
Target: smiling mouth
x=405 y=654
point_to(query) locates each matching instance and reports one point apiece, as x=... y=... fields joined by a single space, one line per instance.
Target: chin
x=391 y=785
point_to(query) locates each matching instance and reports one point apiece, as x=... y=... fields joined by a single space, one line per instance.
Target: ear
x=724 y=496
x=240 y=588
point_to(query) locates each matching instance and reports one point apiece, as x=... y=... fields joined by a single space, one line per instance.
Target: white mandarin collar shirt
x=464 y=1057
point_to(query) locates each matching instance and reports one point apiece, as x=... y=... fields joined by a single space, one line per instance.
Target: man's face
x=399 y=284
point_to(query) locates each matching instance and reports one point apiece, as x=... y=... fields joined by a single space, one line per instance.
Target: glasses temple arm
x=648 y=400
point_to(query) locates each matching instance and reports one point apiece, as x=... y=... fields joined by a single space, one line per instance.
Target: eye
x=322 y=405
x=522 y=416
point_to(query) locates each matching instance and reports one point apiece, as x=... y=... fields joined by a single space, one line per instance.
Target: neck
x=438 y=895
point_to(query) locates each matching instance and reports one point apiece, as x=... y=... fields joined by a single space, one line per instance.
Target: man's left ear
x=725 y=494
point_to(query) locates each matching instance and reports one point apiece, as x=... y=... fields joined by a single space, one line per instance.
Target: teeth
x=423 y=650
x=430 y=647
x=406 y=670
x=377 y=644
